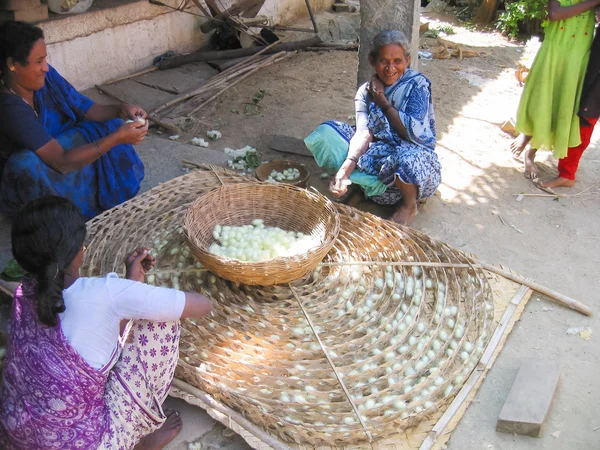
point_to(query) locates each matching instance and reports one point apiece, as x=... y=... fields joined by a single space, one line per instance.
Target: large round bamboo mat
x=380 y=336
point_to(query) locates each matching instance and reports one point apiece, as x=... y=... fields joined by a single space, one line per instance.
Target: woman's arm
x=359 y=144
x=65 y=161
x=376 y=90
x=103 y=113
x=557 y=12
x=196 y=306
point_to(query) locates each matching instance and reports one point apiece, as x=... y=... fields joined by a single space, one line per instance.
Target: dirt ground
x=556 y=242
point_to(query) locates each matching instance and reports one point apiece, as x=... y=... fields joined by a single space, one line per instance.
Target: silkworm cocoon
x=459 y=332
x=421 y=327
x=468 y=346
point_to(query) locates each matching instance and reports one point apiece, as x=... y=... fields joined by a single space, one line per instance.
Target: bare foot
x=518 y=145
x=557 y=182
x=405 y=213
x=530 y=167
x=165 y=434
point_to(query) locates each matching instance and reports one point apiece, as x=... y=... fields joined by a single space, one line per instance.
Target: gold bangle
x=97 y=148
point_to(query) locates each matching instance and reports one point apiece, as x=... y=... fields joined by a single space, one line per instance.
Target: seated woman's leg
x=414 y=175
x=26 y=177
x=139 y=383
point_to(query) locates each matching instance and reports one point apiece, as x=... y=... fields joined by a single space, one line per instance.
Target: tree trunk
x=487 y=11
x=379 y=15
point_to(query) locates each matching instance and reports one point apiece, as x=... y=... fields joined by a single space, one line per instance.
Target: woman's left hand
x=131 y=112
x=138 y=263
x=376 y=89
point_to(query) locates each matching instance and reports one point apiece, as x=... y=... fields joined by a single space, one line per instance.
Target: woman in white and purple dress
x=89 y=360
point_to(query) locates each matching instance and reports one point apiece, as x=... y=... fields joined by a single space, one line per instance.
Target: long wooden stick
x=556 y=296
x=333 y=367
x=177 y=61
x=485 y=361
x=150 y=117
x=135 y=74
x=553 y=295
x=273 y=59
x=217 y=78
x=211 y=402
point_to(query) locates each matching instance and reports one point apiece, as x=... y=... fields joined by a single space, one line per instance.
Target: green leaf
x=12 y=272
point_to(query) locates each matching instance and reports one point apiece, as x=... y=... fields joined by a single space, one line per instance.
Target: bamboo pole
x=235 y=416
x=552 y=294
x=133 y=75
x=177 y=61
x=332 y=365
x=226 y=73
x=556 y=296
x=271 y=60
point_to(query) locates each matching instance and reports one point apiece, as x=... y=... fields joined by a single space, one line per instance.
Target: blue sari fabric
x=389 y=156
x=110 y=180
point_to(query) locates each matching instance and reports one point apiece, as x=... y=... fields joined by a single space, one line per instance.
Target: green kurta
x=550 y=99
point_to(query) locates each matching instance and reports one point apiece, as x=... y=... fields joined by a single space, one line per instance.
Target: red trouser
x=567 y=166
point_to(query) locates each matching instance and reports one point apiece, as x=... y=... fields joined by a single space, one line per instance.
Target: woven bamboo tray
x=370 y=347
x=287 y=207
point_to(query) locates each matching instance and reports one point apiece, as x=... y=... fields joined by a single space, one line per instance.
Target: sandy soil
x=476 y=210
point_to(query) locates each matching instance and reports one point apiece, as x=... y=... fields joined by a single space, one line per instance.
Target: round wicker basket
x=265 y=169
x=279 y=205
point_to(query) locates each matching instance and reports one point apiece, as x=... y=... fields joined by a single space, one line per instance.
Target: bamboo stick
x=553 y=295
x=135 y=74
x=237 y=53
x=228 y=72
x=337 y=375
x=273 y=59
x=556 y=296
x=476 y=375
x=212 y=403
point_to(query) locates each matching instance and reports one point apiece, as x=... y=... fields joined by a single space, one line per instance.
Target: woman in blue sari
x=391 y=155
x=55 y=141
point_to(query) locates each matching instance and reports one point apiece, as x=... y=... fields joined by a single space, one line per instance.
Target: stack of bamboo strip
x=219 y=84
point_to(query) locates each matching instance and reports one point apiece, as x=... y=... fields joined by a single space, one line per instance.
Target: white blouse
x=96 y=306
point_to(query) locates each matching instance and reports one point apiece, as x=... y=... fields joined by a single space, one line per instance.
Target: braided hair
x=47 y=235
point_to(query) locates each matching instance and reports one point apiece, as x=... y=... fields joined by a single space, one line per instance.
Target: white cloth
x=94 y=308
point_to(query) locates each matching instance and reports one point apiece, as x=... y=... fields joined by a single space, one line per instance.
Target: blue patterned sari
x=389 y=156
x=107 y=182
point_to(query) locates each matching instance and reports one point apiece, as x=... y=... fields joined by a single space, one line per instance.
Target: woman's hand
x=131 y=112
x=339 y=185
x=137 y=264
x=376 y=89
x=132 y=133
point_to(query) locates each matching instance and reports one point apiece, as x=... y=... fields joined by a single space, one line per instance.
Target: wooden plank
x=530 y=397
x=225 y=64
x=131 y=92
x=179 y=80
x=288 y=144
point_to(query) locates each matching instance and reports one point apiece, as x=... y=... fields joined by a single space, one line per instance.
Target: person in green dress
x=547 y=115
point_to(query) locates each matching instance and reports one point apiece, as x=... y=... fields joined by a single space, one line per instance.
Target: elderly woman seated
x=391 y=154
x=54 y=140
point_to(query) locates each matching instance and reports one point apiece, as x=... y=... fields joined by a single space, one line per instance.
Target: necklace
x=13 y=92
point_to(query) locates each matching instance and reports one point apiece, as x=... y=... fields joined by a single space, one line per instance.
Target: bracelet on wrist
x=353 y=159
x=97 y=148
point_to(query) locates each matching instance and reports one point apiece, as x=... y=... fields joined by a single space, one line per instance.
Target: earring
x=12 y=69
